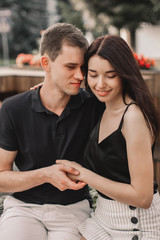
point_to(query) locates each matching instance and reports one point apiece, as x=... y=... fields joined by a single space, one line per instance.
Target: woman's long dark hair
x=118 y=53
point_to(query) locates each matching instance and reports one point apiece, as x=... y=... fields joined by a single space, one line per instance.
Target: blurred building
x=148 y=42
x=52 y=12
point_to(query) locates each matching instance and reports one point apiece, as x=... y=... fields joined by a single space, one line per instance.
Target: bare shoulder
x=135 y=122
x=134 y=115
x=135 y=127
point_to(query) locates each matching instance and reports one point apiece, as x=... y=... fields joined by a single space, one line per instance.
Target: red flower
x=147 y=65
x=144 y=62
x=141 y=62
x=28 y=59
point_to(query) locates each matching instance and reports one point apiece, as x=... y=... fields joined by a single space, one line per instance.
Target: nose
x=79 y=74
x=101 y=83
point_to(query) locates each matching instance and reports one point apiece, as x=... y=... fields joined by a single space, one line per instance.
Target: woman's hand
x=75 y=178
x=69 y=163
x=36 y=86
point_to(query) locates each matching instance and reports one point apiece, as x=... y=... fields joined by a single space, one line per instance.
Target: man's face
x=66 y=70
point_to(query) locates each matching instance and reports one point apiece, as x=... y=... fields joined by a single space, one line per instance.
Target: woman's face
x=103 y=79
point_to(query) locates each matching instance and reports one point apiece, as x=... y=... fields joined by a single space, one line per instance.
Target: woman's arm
x=139 y=141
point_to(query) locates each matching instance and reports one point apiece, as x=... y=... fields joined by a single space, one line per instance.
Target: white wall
x=52 y=12
x=148 y=41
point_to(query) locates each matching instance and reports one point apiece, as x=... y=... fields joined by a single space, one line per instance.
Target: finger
x=72 y=177
x=66 y=162
x=81 y=184
x=59 y=161
x=36 y=86
x=77 y=185
x=73 y=184
x=69 y=169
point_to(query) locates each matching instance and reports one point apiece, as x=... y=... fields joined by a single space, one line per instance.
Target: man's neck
x=53 y=100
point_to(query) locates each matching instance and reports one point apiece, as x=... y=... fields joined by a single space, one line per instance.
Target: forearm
x=56 y=175
x=138 y=193
x=125 y=193
x=11 y=181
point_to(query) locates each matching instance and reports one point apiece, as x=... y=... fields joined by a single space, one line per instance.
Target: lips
x=76 y=84
x=103 y=93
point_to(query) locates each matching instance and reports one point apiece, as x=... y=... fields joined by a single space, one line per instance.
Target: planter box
x=19 y=80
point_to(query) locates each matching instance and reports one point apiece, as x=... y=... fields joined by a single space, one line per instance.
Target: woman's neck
x=118 y=104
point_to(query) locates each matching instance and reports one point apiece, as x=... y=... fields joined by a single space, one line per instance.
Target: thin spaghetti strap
x=120 y=125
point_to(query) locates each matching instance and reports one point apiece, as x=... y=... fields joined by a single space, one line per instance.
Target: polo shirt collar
x=74 y=102
x=37 y=105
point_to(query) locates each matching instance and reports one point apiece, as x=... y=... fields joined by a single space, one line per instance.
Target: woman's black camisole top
x=109 y=157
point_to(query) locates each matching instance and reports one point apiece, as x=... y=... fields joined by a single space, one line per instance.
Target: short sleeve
x=8 y=139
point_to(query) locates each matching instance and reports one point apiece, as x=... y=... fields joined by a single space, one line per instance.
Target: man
x=36 y=128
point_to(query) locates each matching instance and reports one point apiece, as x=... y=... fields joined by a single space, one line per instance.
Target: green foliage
x=28 y=18
x=100 y=28
x=94 y=196
x=69 y=14
x=126 y=13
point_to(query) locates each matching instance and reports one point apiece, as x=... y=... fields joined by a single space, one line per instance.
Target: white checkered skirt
x=118 y=221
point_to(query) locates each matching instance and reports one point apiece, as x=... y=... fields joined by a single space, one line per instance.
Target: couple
x=62 y=138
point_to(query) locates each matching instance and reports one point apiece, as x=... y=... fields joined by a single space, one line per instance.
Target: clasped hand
x=73 y=176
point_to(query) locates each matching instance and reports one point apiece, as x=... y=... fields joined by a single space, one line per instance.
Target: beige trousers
x=23 y=221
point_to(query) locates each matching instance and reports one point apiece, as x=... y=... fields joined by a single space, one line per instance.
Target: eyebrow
x=74 y=64
x=105 y=72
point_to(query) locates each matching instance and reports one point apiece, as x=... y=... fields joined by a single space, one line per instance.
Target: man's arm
x=11 y=181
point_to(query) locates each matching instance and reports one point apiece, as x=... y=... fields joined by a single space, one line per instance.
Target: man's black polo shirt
x=41 y=137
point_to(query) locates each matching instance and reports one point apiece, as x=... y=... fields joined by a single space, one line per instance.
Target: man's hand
x=57 y=176
x=74 y=177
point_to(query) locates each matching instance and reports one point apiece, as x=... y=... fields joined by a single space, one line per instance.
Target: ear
x=45 y=63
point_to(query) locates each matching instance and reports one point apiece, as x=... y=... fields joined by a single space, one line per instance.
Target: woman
x=119 y=154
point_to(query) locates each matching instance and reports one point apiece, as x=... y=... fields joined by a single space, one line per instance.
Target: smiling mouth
x=103 y=93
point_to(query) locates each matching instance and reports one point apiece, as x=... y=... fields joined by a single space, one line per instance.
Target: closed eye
x=93 y=76
x=113 y=76
x=70 y=67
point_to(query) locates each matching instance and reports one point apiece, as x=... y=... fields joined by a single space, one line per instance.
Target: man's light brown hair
x=55 y=36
